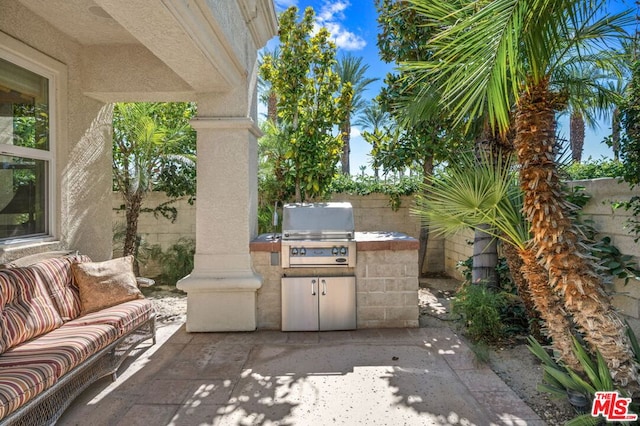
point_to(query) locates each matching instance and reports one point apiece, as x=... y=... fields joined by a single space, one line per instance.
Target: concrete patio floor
x=424 y=376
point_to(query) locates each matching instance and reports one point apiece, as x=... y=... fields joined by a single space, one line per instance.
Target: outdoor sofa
x=65 y=322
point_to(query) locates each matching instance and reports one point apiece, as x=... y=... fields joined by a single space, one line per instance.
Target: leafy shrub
x=592 y=169
x=480 y=308
x=177 y=261
x=513 y=316
x=365 y=185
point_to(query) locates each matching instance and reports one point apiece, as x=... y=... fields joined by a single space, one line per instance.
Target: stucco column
x=221 y=290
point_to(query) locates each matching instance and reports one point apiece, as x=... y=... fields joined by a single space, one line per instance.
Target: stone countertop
x=366 y=241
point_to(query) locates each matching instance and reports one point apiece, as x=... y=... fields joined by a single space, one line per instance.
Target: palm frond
x=473 y=193
x=484 y=53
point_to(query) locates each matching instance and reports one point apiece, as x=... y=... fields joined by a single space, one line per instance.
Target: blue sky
x=354 y=28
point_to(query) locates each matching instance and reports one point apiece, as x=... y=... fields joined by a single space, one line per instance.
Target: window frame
x=18 y=53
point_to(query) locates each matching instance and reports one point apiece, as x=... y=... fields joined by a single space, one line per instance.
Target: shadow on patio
x=383 y=376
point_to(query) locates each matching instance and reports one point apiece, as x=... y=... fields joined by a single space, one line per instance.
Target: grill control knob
x=303 y=251
x=343 y=250
x=334 y=251
x=294 y=251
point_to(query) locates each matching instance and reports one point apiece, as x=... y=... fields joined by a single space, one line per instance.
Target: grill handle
x=324 y=287
x=313 y=287
x=275 y=215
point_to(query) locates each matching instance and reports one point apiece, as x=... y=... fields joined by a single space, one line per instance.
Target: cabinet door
x=299 y=304
x=337 y=303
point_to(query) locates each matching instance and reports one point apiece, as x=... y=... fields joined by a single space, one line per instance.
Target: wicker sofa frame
x=47 y=407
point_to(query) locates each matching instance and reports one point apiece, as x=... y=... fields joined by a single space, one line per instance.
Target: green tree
x=630 y=143
x=418 y=139
x=378 y=123
x=630 y=146
x=267 y=94
x=153 y=147
x=485 y=56
x=351 y=71
x=309 y=102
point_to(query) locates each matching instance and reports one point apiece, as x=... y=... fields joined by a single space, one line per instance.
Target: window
x=26 y=153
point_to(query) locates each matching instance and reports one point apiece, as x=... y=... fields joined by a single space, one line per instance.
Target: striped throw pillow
x=57 y=276
x=26 y=310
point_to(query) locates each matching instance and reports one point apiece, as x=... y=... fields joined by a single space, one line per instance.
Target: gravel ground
x=517 y=367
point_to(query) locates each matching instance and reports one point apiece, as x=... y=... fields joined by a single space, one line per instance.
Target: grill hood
x=317 y=221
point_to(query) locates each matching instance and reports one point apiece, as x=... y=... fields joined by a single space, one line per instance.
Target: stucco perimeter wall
x=371 y=213
x=608 y=222
x=457 y=248
x=156 y=229
x=82 y=187
x=612 y=223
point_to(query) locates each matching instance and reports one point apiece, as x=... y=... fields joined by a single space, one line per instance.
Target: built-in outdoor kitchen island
x=380 y=282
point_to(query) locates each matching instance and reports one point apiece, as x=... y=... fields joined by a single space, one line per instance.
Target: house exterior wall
x=83 y=127
x=181 y=51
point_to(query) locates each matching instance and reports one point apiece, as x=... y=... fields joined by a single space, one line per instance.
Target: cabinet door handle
x=324 y=288
x=313 y=287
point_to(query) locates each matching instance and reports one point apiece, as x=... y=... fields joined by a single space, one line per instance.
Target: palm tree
x=377 y=123
x=142 y=144
x=351 y=71
x=591 y=94
x=476 y=191
x=487 y=54
x=373 y=117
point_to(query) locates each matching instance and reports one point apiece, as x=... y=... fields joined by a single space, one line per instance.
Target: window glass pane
x=23 y=183
x=24 y=107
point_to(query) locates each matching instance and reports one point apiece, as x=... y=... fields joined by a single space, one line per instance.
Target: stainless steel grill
x=318 y=235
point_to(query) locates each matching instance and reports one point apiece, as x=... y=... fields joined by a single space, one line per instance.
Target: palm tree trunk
x=576 y=136
x=571 y=272
x=485 y=258
x=427 y=171
x=549 y=306
x=345 y=131
x=133 y=204
x=485 y=246
x=272 y=107
x=516 y=264
x=615 y=134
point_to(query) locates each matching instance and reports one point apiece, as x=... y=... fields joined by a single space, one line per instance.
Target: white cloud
x=331 y=11
x=330 y=16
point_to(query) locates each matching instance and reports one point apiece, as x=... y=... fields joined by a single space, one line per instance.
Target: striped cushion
x=26 y=310
x=20 y=384
x=124 y=317
x=57 y=276
x=63 y=348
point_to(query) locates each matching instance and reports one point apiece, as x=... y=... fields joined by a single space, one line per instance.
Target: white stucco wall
x=83 y=127
x=147 y=52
